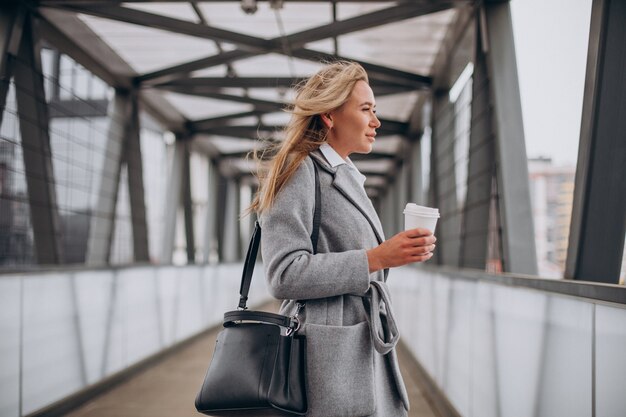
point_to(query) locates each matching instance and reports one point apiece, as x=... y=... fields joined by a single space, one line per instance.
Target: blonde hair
x=324 y=92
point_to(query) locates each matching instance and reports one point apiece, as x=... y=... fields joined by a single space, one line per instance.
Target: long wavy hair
x=324 y=92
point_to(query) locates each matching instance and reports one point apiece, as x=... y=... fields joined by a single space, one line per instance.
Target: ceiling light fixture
x=249 y=6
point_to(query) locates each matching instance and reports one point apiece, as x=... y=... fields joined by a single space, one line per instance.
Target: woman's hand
x=415 y=245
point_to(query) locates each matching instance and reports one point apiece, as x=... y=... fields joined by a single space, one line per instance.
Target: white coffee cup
x=420 y=216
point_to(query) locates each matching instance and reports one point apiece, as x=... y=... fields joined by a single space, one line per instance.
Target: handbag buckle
x=295 y=320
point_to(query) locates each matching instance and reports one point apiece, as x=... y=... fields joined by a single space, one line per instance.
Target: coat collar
x=348 y=185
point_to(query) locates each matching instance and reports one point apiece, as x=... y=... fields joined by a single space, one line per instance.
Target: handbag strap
x=383 y=326
x=231 y=317
x=255 y=240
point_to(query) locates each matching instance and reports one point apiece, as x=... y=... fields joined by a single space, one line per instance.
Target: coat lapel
x=349 y=187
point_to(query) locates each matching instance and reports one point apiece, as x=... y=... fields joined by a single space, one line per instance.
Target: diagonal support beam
x=518 y=240
x=250 y=45
x=37 y=153
x=596 y=239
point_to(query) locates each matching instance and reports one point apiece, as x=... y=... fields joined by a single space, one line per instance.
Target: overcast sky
x=551 y=38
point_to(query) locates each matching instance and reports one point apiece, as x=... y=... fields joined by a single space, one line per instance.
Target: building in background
x=552 y=193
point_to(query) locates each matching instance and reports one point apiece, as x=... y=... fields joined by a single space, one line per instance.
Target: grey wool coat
x=346 y=376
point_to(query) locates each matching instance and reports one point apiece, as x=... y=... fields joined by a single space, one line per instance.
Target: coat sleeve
x=291 y=269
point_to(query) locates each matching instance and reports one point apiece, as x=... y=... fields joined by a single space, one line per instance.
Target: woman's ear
x=327 y=120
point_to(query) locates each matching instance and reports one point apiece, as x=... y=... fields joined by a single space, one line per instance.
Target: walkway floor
x=168 y=388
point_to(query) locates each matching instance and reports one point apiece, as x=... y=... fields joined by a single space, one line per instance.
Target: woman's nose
x=375 y=122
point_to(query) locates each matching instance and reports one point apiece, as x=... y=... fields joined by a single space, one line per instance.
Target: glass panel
x=610 y=361
x=95 y=292
x=551 y=99
x=519 y=332
x=564 y=387
x=10 y=322
x=52 y=349
x=484 y=383
x=457 y=374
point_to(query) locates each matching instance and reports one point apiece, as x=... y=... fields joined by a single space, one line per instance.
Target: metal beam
x=188 y=207
x=481 y=167
x=518 y=238
x=598 y=225
x=385 y=16
x=103 y=216
x=134 y=164
x=172 y=201
x=249 y=45
x=210 y=227
x=35 y=138
x=230 y=237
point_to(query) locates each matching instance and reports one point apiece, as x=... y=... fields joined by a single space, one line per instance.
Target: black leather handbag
x=259 y=363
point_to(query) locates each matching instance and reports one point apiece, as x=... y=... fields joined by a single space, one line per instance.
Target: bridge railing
x=515 y=346
x=62 y=331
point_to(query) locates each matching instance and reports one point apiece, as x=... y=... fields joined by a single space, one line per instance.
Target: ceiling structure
x=220 y=77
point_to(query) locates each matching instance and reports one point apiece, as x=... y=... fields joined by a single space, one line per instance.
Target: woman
x=334 y=116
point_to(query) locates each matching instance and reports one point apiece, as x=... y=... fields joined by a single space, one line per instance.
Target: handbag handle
x=255 y=240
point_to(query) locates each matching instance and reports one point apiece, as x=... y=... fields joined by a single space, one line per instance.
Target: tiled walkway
x=168 y=388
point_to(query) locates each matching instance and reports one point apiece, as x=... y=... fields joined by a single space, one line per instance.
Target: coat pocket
x=340 y=370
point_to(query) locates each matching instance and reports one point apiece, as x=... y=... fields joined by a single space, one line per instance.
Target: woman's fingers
x=419 y=232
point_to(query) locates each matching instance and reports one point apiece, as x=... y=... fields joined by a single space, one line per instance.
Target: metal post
x=210 y=230
x=34 y=128
x=103 y=214
x=598 y=225
x=415 y=174
x=481 y=167
x=231 y=222
x=188 y=206
x=518 y=239
x=134 y=164
x=172 y=201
